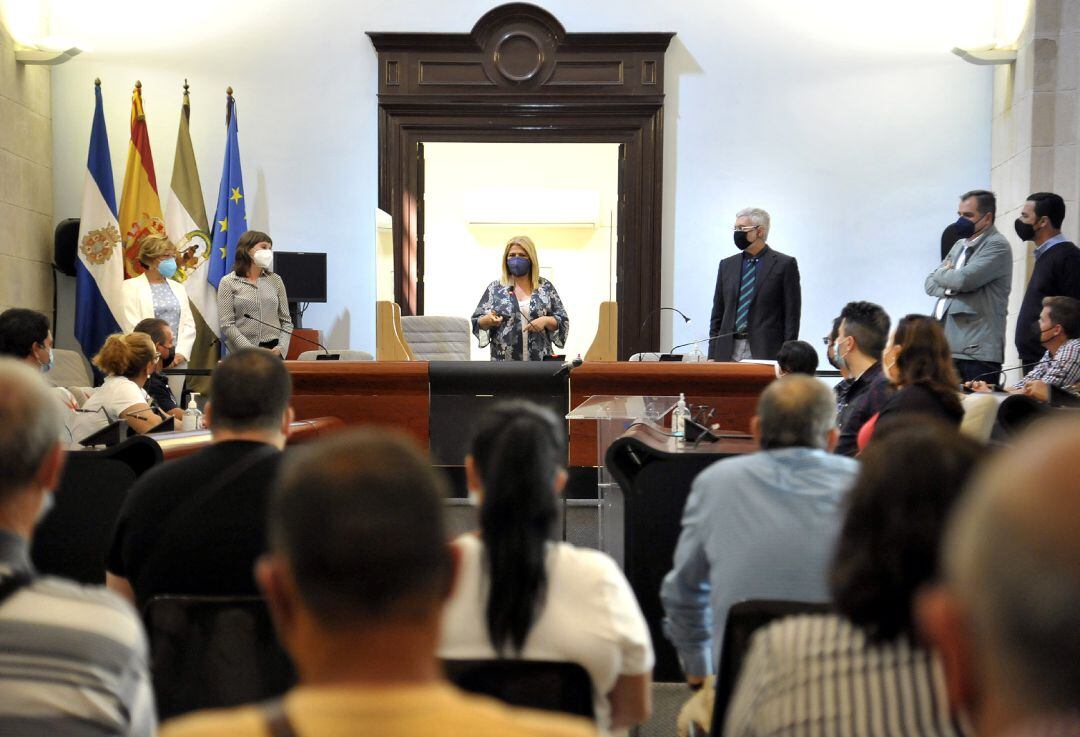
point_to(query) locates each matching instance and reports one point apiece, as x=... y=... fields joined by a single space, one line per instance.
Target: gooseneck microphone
x=710 y=339
x=1032 y=364
x=326 y=356
x=686 y=320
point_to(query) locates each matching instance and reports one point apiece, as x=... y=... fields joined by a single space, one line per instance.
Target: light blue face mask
x=47 y=367
x=167 y=267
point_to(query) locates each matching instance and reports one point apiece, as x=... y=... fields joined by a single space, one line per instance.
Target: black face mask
x=1026 y=231
x=167 y=358
x=742 y=240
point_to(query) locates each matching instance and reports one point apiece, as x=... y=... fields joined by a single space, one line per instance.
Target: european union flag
x=230 y=218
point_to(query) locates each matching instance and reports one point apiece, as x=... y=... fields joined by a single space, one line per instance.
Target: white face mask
x=263 y=259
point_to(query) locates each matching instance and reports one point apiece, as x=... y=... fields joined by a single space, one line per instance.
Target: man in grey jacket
x=972 y=288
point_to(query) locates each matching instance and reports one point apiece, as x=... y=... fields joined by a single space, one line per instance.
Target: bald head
x=1012 y=557
x=796 y=411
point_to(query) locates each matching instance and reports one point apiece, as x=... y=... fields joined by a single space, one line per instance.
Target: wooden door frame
x=519 y=77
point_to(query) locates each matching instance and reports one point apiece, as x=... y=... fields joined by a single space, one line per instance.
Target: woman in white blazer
x=154 y=294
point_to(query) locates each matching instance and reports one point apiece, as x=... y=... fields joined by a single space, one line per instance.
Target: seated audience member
x=1059 y=334
x=888 y=548
x=127 y=361
x=796 y=357
x=918 y=361
x=25 y=336
x=840 y=389
x=157 y=385
x=196 y=525
x=356 y=580
x=1006 y=616
x=72 y=657
x=864 y=329
x=521 y=595
x=758 y=526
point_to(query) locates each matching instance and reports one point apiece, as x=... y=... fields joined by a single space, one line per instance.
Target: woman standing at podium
x=520 y=316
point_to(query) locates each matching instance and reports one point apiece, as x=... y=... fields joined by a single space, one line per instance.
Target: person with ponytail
x=522 y=595
x=127 y=361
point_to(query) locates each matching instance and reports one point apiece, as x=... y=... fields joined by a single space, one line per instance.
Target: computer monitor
x=304 y=275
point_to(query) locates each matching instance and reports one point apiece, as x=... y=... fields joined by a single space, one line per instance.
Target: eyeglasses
x=827 y=340
x=157 y=357
x=745 y=228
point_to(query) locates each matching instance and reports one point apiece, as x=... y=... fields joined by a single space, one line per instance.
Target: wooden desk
x=655 y=473
x=396 y=393
x=386 y=393
x=179 y=444
x=731 y=389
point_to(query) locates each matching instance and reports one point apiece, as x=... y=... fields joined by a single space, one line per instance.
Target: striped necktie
x=746 y=293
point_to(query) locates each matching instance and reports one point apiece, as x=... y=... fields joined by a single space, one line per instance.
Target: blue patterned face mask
x=518 y=265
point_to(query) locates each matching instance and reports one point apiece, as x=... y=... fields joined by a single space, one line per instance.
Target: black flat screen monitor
x=304 y=275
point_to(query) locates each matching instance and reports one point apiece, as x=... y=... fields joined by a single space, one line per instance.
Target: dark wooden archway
x=520 y=77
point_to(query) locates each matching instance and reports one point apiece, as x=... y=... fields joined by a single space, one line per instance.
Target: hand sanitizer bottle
x=678 y=418
x=192 y=415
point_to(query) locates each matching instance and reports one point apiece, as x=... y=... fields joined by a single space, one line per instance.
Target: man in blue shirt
x=758 y=526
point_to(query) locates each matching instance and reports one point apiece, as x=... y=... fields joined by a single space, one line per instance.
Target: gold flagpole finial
x=185 y=87
x=97 y=81
x=228 y=91
x=138 y=85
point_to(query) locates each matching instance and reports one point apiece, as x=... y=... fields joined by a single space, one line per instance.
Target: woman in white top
x=520 y=595
x=864 y=671
x=252 y=289
x=126 y=360
x=154 y=293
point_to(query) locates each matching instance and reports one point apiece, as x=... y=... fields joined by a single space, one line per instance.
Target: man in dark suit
x=1056 y=272
x=758 y=302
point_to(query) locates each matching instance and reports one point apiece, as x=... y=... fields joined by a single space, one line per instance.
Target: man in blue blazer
x=758 y=300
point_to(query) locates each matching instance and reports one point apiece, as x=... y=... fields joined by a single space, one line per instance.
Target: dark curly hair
x=894 y=519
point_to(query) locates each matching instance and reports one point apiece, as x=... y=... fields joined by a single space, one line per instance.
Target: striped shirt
x=73 y=659
x=265 y=300
x=1061 y=369
x=819 y=676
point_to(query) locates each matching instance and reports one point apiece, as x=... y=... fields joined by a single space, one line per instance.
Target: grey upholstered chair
x=437 y=338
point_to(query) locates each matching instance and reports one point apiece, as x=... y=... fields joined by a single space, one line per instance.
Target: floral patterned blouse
x=505 y=340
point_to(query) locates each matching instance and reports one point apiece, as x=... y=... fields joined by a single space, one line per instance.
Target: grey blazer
x=975 y=314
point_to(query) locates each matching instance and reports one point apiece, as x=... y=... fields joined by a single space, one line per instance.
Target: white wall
x=847 y=120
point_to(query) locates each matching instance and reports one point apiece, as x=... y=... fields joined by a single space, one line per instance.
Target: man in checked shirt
x=1059 y=333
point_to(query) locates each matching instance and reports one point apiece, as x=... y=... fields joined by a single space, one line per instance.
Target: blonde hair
x=525 y=242
x=126 y=355
x=152 y=247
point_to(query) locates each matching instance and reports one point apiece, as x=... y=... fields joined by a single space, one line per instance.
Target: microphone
x=704 y=340
x=1001 y=371
x=547 y=338
x=686 y=320
x=326 y=356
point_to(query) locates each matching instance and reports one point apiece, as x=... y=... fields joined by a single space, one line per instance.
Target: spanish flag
x=140 y=208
